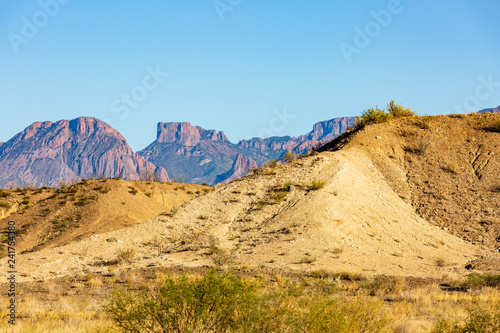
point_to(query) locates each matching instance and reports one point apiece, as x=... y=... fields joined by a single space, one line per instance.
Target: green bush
x=376 y=115
x=287 y=186
x=82 y=202
x=332 y=315
x=397 y=110
x=288 y=157
x=479 y=320
x=279 y=196
x=214 y=303
x=372 y=116
x=422 y=146
x=496 y=126
x=483 y=280
x=124 y=256
x=452 y=168
x=223 y=302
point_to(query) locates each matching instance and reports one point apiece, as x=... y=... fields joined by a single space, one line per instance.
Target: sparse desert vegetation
x=376 y=115
x=59 y=214
x=496 y=126
x=257 y=301
x=289 y=157
x=318 y=184
x=286 y=255
x=422 y=146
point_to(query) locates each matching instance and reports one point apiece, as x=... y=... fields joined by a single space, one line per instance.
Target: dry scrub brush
x=376 y=115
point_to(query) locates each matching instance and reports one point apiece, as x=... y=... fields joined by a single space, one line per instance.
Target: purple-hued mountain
x=241 y=165
x=493 y=110
x=46 y=153
x=193 y=154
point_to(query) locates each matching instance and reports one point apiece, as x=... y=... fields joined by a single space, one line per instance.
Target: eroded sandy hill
x=51 y=217
x=447 y=167
x=359 y=221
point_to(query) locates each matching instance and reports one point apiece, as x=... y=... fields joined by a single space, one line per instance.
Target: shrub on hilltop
x=376 y=115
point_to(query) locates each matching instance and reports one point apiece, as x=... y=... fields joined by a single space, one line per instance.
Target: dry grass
x=318 y=184
x=422 y=146
x=124 y=256
x=496 y=126
x=452 y=168
x=62 y=314
x=440 y=262
x=396 y=304
x=289 y=157
x=307 y=259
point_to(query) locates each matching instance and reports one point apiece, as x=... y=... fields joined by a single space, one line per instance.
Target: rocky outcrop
x=46 y=153
x=193 y=154
x=190 y=153
x=241 y=166
x=493 y=110
x=322 y=132
x=186 y=134
x=330 y=129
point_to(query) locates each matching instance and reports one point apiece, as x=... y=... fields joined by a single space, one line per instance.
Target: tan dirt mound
x=445 y=166
x=284 y=217
x=48 y=217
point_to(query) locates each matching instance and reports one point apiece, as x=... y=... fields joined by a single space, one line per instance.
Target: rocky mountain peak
x=186 y=134
x=241 y=165
x=45 y=153
x=64 y=130
x=329 y=129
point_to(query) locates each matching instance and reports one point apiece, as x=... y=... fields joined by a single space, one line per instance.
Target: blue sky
x=233 y=65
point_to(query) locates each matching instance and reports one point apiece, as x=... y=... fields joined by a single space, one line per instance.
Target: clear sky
x=247 y=67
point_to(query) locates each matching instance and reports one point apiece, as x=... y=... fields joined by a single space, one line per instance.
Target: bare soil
x=49 y=217
x=381 y=205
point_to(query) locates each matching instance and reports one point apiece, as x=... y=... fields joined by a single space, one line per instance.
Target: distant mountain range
x=493 y=110
x=46 y=153
x=196 y=155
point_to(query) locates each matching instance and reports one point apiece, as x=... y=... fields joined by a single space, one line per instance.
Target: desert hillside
x=445 y=166
x=48 y=217
x=369 y=207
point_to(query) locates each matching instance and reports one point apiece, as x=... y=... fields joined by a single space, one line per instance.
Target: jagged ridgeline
x=48 y=154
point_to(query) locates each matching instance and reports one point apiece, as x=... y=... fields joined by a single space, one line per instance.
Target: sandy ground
x=355 y=223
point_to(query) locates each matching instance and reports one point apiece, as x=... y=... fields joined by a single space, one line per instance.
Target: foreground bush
x=223 y=302
x=479 y=320
x=209 y=304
